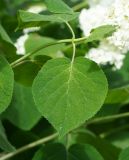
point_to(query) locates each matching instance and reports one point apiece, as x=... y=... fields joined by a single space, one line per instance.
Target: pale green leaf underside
x=4 y=143
x=6 y=84
x=28 y=19
x=101 y=32
x=58 y=6
x=68 y=95
x=52 y=51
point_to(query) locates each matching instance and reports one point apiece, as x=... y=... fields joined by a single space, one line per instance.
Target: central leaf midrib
x=70 y=77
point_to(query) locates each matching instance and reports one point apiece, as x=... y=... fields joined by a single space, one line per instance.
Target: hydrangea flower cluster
x=114 y=48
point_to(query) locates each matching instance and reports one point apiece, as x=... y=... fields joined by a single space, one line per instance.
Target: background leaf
x=6 y=84
x=101 y=32
x=53 y=51
x=4 y=143
x=22 y=111
x=104 y=147
x=51 y=151
x=28 y=19
x=124 y=155
x=84 y=152
x=6 y=45
x=58 y=6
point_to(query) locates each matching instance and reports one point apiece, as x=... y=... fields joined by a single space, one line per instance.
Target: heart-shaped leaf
x=69 y=94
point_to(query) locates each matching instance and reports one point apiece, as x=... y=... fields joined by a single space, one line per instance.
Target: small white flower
x=101 y=2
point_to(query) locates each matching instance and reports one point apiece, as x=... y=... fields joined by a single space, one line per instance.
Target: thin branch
x=108 y=118
x=29 y=146
x=114 y=130
x=80 y=6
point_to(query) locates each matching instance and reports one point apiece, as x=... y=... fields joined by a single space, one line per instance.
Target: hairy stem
x=29 y=146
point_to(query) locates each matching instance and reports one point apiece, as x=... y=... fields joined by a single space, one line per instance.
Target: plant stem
x=73 y=43
x=80 y=6
x=71 y=30
x=116 y=130
x=75 y=8
x=15 y=63
x=108 y=118
x=29 y=146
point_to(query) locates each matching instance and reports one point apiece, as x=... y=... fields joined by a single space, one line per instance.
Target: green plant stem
x=29 y=146
x=108 y=118
x=75 y=8
x=80 y=6
x=15 y=63
x=73 y=43
x=116 y=130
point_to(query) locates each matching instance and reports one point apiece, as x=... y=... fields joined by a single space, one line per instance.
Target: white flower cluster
x=113 y=49
x=21 y=40
x=100 y=2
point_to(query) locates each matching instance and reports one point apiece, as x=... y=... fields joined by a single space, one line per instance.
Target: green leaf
x=6 y=45
x=119 y=139
x=121 y=74
x=6 y=84
x=114 y=98
x=101 y=32
x=69 y=94
x=22 y=111
x=28 y=19
x=52 y=152
x=124 y=155
x=76 y=152
x=52 y=51
x=4 y=143
x=4 y=36
x=58 y=6
x=105 y=148
x=26 y=72
x=84 y=152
